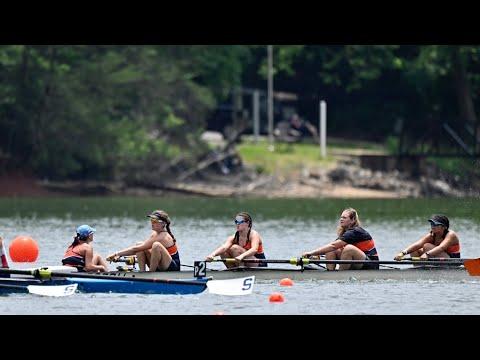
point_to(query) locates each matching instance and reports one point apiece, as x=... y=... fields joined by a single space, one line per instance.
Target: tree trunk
x=464 y=92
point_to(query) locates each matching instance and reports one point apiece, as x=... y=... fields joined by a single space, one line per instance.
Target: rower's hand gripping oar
x=128 y=260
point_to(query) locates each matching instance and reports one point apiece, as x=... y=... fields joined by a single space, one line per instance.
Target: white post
x=323 y=128
x=270 y=96
x=256 y=114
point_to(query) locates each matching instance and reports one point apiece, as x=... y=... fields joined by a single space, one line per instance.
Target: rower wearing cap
x=80 y=253
x=440 y=242
x=246 y=243
x=159 y=251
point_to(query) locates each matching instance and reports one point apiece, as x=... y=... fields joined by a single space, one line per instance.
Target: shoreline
x=215 y=186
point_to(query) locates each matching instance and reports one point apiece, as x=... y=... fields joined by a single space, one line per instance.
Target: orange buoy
x=286 y=282
x=23 y=249
x=276 y=297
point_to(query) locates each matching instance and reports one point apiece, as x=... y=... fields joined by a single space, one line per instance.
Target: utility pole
x=322 y=127
x=270 y=97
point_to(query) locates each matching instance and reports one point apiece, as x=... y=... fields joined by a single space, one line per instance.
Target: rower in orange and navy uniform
x=440 y=242
x=353 y=243
x=246 y=243
x=159 y=252
x=3 y=258
x=80 y=253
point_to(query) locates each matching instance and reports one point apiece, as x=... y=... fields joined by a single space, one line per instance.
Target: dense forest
x=110 y=112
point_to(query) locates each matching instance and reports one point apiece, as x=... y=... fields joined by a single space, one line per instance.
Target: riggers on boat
x=310 y=273
x=307 y=269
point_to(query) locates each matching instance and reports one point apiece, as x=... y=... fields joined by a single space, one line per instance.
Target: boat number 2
x=247 y=283
x=199 y=269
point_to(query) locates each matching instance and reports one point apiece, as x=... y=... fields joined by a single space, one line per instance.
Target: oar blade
x=52 y=290
x=472 y=266
x=232 y=287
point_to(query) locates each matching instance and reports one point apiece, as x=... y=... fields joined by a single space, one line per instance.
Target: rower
x=159 y=251
x=352 y=243
x=440 y=242
x=246 y=243
x=80 y=253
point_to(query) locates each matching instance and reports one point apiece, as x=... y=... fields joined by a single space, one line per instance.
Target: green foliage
x=101 y=111
x=97 y=111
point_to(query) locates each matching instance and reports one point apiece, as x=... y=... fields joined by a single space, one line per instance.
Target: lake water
x=288 y=228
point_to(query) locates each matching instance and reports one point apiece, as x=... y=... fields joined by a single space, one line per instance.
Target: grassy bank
x=292 y=158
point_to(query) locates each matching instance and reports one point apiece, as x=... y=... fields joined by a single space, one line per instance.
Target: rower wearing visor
x=440 y=242
x=246 y=243
x=159 y=251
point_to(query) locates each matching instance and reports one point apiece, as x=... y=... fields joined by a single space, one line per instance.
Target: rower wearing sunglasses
x=159 y=251
x=440 y=242
x=246 y=243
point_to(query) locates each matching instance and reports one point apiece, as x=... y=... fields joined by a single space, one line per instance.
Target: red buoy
x=23 y=249
x=286 y=282
x=276 y=297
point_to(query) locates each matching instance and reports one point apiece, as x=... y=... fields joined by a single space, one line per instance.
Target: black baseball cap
x=439 y=220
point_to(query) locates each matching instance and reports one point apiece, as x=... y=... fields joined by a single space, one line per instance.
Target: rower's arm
x=416 y=245
x=334 y=245
x=450 y=239
x=220 y=250
x=132 y=250
x=89 y=266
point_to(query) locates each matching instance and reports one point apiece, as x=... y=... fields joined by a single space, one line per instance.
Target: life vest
x=72 y=258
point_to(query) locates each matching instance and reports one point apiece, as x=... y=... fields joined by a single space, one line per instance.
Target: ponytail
x=168 y=230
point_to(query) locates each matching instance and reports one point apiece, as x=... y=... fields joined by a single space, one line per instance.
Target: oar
x=45 y=290
x=232 y=287
x=472 y=266
x=52 y=290
x=305 y=261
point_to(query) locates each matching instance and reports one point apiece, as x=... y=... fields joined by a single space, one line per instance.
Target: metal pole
x=270 y=96
x=323 y=128
x=256 y=114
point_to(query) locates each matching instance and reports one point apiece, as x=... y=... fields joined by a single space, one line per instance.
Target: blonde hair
x=356 y=221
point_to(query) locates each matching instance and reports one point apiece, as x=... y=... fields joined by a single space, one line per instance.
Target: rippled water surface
x=288 y=227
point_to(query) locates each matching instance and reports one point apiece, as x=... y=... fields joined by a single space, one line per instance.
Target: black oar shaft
x=305 y=261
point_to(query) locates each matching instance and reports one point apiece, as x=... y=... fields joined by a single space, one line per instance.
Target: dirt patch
x=18 y=184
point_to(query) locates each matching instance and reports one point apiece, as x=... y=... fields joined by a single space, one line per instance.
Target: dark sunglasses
x=156 y=221
x=238 y=222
